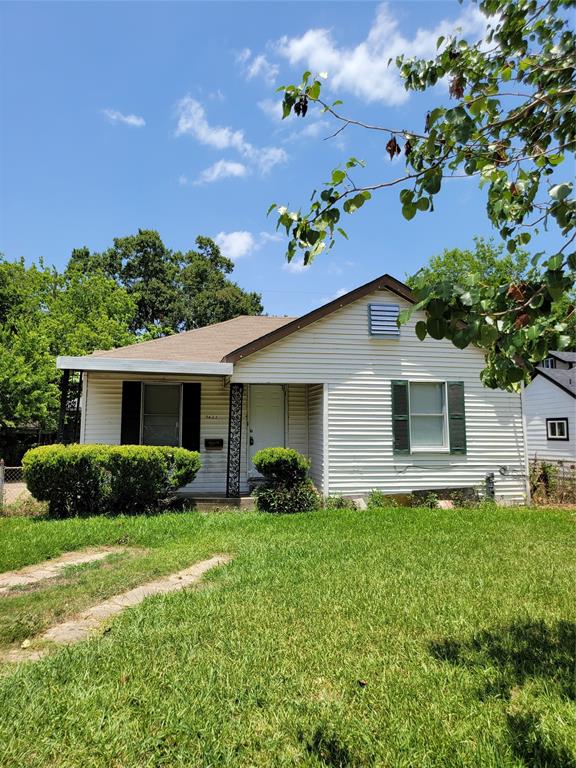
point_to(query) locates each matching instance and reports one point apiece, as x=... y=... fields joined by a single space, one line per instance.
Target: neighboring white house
x=550 y=409
x=371 y=405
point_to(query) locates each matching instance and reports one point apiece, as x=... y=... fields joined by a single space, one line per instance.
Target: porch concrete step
x=207 y=502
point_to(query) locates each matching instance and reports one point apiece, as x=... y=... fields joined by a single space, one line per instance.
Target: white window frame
x=445 y=447
x=164 y=384
x=558 y=420
x=549 y=362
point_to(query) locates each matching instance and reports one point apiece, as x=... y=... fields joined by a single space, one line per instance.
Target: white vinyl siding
x=544 y=400
x=316 y=433
x=296 y=418
x=358 y=369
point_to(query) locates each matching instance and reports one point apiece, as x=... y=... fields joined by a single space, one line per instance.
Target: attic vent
x=382 y=320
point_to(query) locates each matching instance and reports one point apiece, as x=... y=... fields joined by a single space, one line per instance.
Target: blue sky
x=119 y=116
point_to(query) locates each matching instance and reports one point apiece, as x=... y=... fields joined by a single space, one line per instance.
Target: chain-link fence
x=12 y=485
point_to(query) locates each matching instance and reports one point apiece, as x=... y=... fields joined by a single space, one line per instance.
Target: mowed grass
x=394 y=637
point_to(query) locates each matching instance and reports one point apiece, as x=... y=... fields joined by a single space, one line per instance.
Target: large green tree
x=488 y=260
x=44 y=314
x=174 y=291
x=511 y=123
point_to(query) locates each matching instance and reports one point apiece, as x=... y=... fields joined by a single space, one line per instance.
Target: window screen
x=428 y=415
x=161 y=414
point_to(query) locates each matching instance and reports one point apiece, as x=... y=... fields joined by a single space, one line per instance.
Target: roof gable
x=385 y=282
x=564 y=378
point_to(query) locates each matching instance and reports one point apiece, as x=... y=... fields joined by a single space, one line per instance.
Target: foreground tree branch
x=516 y=141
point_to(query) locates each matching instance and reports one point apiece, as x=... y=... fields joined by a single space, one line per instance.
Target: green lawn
x=395 y=637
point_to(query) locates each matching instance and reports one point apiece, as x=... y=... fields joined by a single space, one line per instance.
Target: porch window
x=428 y=416
x=557 y=429
x=161 y=414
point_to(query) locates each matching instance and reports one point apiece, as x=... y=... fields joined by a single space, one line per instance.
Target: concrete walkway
x=89 y=621
x=51 y=568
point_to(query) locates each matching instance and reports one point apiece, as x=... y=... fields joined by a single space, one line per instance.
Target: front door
x=267 y=426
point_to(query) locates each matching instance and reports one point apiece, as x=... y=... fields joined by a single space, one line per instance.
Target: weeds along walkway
x=90 y=620
x=52 y=568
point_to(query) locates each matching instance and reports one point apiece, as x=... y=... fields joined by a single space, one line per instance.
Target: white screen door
x=266 y=417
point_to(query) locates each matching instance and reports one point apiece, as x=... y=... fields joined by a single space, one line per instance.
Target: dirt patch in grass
x=52 y=568
x=89 y=621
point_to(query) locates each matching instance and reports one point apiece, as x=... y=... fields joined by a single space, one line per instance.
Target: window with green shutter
x=400 y=417
x=456 y=417
x=428 y=416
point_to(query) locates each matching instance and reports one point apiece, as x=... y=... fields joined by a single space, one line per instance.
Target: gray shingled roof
x=566 y=357
x=207 y=345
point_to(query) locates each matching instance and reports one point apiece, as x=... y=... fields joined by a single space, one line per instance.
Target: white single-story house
x=370 y=405
x=550 y=409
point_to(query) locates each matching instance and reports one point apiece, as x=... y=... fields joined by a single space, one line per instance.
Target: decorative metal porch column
x=234 y=440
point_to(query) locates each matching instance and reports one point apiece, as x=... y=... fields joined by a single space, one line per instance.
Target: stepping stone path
x=51 y=568
x=89 y=621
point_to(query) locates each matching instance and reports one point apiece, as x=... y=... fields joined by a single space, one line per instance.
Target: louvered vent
x=383 y=320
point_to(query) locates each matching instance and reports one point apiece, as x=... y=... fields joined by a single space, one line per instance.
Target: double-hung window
x=161 y=414
x=428 y=417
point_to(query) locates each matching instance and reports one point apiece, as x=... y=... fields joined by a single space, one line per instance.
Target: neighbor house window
x=550 y=362
x=161 y=414
x=557 y=429
x=428 y=423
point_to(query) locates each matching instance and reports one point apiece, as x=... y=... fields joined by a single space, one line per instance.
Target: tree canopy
x=136 y=289
x=173 y=291
x=512 y=125
x=44 y=314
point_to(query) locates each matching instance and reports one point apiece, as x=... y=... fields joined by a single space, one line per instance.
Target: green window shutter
x=131 y=405
x=191 y=416
x=456 y=417
x=400 y=417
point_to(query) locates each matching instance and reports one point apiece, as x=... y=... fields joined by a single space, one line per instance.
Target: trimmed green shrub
x=283 y=466
x=287 y=487
x=82 y=480
x=73 y=479
x=281 y=500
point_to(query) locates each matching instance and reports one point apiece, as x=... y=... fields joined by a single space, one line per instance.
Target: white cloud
x=340 y=292
x=257 y=66
x=296 y=265
x=272 y=108
x=192 y=121
x=117 y=117
x=222 y=169
x=363 y=70
x=183 y=180
x=234 y=245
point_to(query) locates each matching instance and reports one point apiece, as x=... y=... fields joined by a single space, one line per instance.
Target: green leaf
x=342 y=232
x=436 y=327
x=423 y=204
x=561 y=191
x=409 y=211
x=338 y=176
x=421 y=330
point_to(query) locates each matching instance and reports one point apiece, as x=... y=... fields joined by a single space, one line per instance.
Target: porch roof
x=198 y=351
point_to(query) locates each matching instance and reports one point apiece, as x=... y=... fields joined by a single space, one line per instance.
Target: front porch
x=226 y=422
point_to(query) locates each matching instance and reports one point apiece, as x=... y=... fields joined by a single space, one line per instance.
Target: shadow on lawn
x=534 y=665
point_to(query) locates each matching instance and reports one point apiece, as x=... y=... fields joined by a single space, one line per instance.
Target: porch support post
x=234 y=440
x=64 y=386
